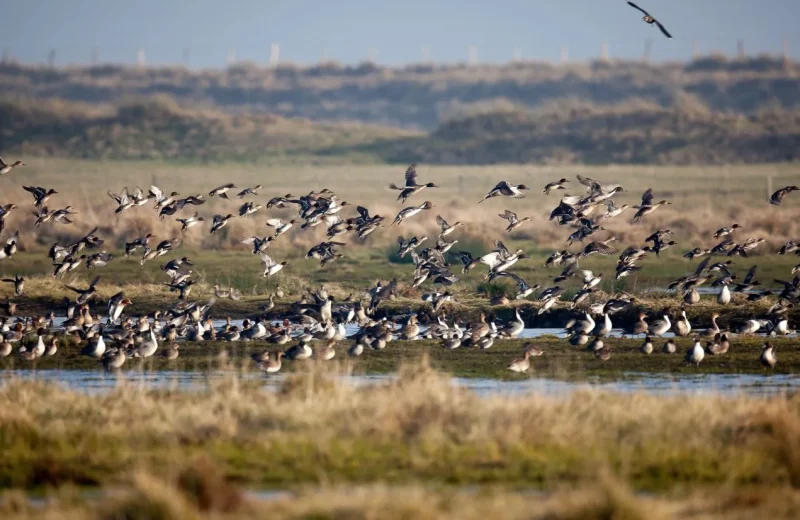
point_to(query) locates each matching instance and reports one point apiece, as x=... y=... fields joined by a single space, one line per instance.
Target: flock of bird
x=318 y=316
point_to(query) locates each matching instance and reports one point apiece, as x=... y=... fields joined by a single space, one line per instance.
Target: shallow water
x=660 y=384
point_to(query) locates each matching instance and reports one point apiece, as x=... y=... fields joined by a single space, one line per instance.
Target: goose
x=768 y=357
x=647 y=346
x=695 y=354
x=682 y=327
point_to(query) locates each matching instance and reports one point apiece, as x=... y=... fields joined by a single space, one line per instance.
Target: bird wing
x=364 y=212
x=647 y=197
x=266 y=260
x=156 y=192
x=702 y=266
x=592 y=184
x=501 y=248
x=587 y=275
x=510 y=216
x=639 y=8
x=411 y=175
x=751 y=273
x=663 y=29
x=442 y=222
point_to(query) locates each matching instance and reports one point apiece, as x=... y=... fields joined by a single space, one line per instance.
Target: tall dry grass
x=320 y=428
x=704 y=199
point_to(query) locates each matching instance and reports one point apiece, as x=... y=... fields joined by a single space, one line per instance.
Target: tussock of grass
x=416 y=426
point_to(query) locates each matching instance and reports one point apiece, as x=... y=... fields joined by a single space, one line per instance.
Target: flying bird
x=649 y=19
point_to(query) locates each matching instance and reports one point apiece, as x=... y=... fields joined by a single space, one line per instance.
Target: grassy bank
x=196 y=492
x=560 y=361
x=415 y=428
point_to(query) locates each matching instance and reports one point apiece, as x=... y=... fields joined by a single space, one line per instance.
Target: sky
x=393 y=32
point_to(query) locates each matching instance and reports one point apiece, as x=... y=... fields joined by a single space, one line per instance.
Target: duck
x=272 y=366
x=454 y=341
x=682 y=327
x=271 y=267
x=328 y=352
x=714 y=329
x=514 y=327
x=280 y=226
x=513 y=220
x=555 y=185
x=410 y=212
x=768 y=357
x=411 y=329
x=485 y=342
x=6 y=167
x=356 y=349
x=506 y=189
x=596 y=344
x=604 y=329
x=52 y=347
x=669 y=347
x=411 y=185
x=171 y=352
x=603 y=354
x=222 y=191
x=298 y=352
x=113 y=360
x=695 y=354
x=5 y=348
x=522 y=364
x=660 y=327
x=219 y=221
x=647 y=346
x=147 y=348
x=640 y=326
x=579 y=339
x=724 y=295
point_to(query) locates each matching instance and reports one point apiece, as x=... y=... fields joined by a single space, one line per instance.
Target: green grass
x=560 y=361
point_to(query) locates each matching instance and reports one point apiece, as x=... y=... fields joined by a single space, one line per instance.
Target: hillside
x=159 y=128
x=422 y=97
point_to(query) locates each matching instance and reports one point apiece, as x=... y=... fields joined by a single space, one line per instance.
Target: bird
x=768 y=357
x=522 y=364
x=222 y=191
x=778 y=196
x=411 y=211
x=219 y=222
x=411 y=186
x=446 y=228
x=506 y=190
x=513 y=221
x=696 y=353
x=650 y=20
x=555 y=185
x=19 y=284
x=6 y=167
x=270 y=266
